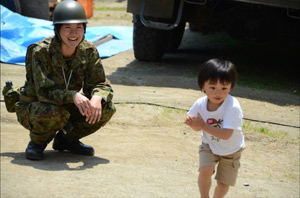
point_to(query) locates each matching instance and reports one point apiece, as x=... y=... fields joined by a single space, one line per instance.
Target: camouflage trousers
x=44 y=120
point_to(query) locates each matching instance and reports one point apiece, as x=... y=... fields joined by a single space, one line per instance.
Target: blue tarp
x=18 y=32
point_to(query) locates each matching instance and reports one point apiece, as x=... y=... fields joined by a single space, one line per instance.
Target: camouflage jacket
x=46 y=66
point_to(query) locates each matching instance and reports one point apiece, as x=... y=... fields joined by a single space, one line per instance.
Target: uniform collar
x=58 y=60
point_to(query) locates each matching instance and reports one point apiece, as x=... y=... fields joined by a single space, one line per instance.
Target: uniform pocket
x=11 y=98
x=22 y=111
x=236 y=164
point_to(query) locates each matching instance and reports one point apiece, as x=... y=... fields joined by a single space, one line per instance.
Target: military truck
x=31 y=8
x=159 y=24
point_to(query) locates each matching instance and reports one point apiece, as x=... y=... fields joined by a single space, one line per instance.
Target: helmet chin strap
x=57 y=35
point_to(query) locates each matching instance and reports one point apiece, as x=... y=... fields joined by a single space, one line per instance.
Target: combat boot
x=60 y=143
x=35 y=151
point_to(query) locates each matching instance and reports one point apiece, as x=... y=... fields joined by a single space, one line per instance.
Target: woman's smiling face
x=71 y=34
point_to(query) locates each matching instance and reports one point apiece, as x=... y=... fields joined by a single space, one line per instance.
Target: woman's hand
x=95 y=111
x=82 y=103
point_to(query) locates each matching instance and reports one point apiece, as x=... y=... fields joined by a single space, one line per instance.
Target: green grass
x=247 y=125
x=110 y=9
x=272 y=83
x=273 y=76
x=169 y=112
x=269 y=133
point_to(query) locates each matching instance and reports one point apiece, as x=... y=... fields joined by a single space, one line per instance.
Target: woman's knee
x=48 y=117
x=42 y=117
x=108 y=110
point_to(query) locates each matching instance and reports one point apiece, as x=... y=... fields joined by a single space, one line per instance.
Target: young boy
x=219 y=116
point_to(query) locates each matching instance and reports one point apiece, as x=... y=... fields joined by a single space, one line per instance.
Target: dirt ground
x=146 y=150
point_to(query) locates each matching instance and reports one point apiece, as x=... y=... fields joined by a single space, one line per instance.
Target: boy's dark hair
x=215 y=69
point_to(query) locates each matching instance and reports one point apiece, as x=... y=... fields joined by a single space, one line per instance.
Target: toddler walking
x=219 y=116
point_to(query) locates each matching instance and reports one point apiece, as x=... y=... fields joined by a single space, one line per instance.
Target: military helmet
x=69 y=11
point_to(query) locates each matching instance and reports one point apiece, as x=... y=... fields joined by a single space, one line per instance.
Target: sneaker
x=60 y=143
x=35 y=151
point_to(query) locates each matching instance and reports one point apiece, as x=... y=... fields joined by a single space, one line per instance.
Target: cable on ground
x=170 y=107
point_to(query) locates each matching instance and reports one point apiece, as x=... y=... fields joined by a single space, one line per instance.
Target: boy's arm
x=224 y=134
x=197 y=123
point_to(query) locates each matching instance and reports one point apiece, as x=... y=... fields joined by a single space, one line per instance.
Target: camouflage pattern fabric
x=11 y=96
x=45 y=80
x=51 y=105
x=43 y=120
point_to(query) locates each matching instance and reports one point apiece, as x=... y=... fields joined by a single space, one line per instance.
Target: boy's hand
x=188 y=120
x=196 y=123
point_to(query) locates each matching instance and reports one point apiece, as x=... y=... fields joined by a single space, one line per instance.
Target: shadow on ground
x=57 y=161
x=264 y=65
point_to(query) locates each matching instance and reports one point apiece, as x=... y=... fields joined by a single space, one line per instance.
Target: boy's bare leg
x=204 y=180
x=221 y=190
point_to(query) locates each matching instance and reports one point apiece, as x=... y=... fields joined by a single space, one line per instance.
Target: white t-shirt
x=229 y=115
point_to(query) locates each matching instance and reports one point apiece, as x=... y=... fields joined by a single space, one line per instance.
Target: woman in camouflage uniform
x=51 y=101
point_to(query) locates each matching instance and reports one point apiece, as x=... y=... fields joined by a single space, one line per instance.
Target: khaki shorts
x=228 y=165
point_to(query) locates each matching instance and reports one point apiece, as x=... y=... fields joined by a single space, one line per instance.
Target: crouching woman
x=66 y=95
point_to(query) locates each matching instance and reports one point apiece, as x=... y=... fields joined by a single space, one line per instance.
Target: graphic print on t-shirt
x=213 y=122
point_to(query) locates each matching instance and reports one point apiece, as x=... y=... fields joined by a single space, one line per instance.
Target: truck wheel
x=149 y=44
x=13 y=5
x=175 y=37
x=36 y=9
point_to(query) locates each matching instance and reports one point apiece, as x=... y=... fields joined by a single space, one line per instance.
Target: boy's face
x=216 y=92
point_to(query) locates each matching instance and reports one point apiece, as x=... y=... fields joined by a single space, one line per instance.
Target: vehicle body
x=159 y=24
x=31 y=8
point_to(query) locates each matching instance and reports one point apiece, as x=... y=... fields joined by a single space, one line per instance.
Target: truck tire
x=36 y=9
x=13 y=5
x=149 y=44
